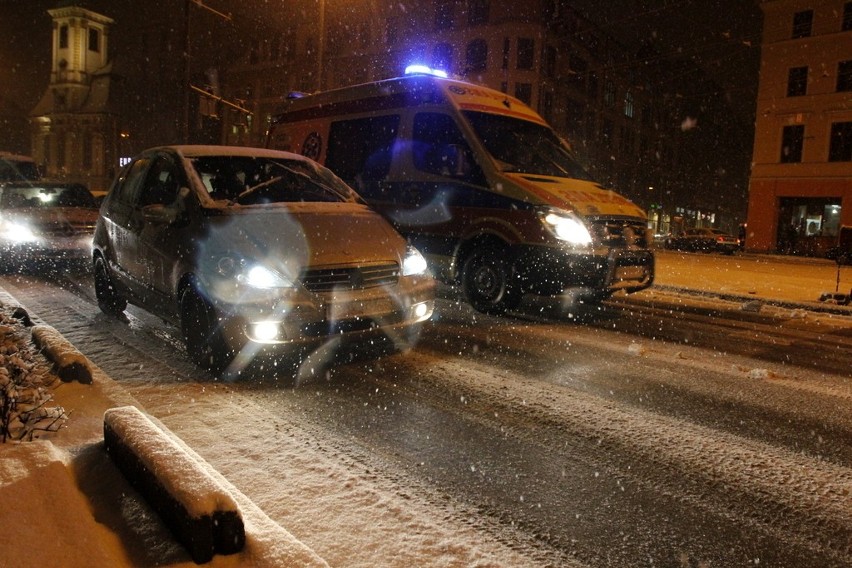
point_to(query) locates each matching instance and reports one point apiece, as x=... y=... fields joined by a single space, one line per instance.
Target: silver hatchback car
x=253 y=251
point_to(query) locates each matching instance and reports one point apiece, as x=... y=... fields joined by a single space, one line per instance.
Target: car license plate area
x=360 y=309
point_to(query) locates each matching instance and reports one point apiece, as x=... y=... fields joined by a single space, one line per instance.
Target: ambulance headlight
x=565 y=226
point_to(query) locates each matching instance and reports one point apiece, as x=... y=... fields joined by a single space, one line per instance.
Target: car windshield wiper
x=314 y=181
x=254 y=188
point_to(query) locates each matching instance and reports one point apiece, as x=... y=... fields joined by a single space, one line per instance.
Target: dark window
x=444 y=15
x=792 y=139
x=477 y=55
x=840 y=147
x=803 y=23
x=507 y=47
x=846 y=25
x=63 y=37
x=844 y=76
x=577 y=71
x=477 y=12
x=360 y=150
x=526 y=53
x=797 y=82
x=442 y=57
x=609 y=93
x=550 y=61
x=94 y=40
x=523 y=92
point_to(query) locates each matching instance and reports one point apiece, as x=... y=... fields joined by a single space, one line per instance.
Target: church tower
x=74 y=128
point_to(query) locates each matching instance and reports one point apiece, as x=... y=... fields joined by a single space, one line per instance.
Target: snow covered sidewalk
x=63 y=501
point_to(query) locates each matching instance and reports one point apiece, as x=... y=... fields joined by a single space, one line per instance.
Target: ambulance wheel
x=488 y=282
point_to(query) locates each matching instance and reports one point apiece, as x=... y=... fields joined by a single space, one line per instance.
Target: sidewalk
x=785 y=281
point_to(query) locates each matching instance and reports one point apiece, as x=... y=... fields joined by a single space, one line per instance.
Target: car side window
x=161 y=184
x=127 y=190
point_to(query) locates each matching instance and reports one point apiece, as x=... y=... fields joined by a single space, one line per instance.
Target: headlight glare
x=18 y=232
x=565 y=226
x=258 y=276
x=413 y=264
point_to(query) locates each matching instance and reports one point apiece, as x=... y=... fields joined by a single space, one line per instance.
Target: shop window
x=840 y=146
x=803 y=23
x=797 y=82
x=792 y=140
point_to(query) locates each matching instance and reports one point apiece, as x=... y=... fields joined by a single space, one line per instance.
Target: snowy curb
x=71 y=365
x=200 y=512
x=815 y=306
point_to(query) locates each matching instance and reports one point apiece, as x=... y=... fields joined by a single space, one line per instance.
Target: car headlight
x=252 y=274
x=565 y=226
x=413 y=264
x=18 y=232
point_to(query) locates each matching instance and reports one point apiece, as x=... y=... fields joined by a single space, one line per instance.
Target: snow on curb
x=71 y=365
x=199 y=511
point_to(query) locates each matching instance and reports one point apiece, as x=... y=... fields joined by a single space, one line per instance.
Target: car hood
x=585 y=197
x=293 y=237
x=70 y=220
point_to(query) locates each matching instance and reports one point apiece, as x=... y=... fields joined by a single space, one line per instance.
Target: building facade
x=74 y=126
x=800 y=191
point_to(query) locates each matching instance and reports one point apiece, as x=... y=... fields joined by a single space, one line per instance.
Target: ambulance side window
x=360 y=150
x=440 y=148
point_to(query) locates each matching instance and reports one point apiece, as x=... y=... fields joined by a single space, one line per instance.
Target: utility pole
x=187 y=54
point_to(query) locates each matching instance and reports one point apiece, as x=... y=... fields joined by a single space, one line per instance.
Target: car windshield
x=525 y=147
x=251 y=180
x=14 y=197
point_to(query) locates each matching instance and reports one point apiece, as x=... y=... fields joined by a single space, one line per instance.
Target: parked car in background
x=254 y=251
x=45 y=220
x=15 y=167
x=703 y=240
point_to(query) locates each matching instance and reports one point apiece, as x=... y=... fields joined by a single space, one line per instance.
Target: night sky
x=722 y=37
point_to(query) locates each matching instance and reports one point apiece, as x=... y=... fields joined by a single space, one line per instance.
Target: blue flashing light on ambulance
x=479 y=183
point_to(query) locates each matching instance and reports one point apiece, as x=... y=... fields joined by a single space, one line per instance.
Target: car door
x=159 y=238
x=121 y=224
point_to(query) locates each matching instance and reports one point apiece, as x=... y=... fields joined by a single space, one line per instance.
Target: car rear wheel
x=202 y=332
x=109 y=300
x=488 y=282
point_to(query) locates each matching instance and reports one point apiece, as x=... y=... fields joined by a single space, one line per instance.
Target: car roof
x=202 y=150
x=44 y=183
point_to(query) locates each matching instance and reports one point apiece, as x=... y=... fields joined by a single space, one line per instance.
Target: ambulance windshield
x=525 y=147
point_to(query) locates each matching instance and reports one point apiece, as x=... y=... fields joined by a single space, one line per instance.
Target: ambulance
x=479 y=183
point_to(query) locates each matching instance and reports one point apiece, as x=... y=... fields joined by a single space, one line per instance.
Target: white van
x=479 y=183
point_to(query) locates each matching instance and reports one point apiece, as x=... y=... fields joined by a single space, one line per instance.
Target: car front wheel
x=488 y=282
x=202 y=332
